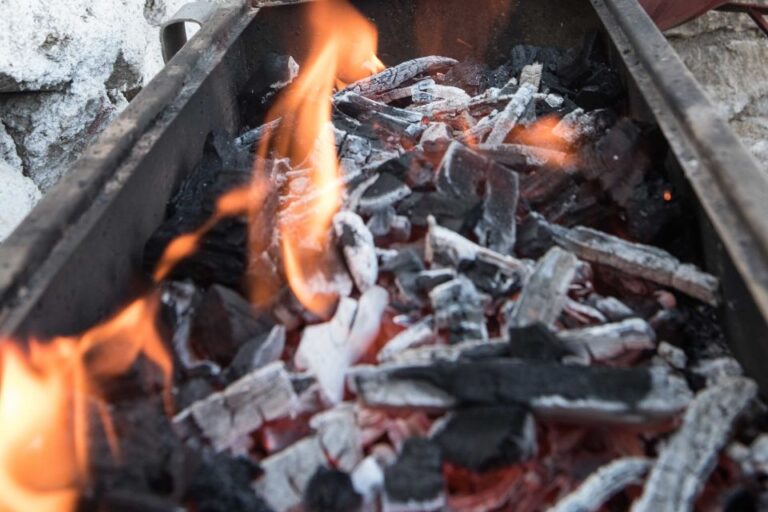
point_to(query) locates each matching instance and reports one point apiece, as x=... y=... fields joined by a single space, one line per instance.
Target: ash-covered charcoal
x=643 y=261
x=461 y=172
x=524 y=55
x=287 y=473
x=404 y=260
x=613 y=309
x=609 y=341
x=356 y=243
x=260 y=351
x=475 y=77
x=536 y=342
x=394 y=77
x=414 y=287
x=552 y=390
x=578 y=127
x=331 y=490
x=384 y=193
x=521 y=155
x=512 y=113
x=420 y=333
x=275 y=73
x=497 y=227
x=227 y=418
x=531 y=75
x=224 y=322
x=481 y=438
x=686 y=461
x=379 y=115
x=222 y=483
x=457 y=213
x=436 y=132
x=252 y=137
x=544 y=294
x=459 y=310
x=414 y=483
x=605 y=483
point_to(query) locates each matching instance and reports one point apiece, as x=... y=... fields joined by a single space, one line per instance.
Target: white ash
x=674 y=356
x=715 y=370
x=359 y=250
x=609 y=341
x=531 y=75
x=368 y=480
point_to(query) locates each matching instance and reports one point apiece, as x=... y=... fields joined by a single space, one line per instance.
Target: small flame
x=342 y=50
x=547 y=133
x=45 y=398
x=667 y=196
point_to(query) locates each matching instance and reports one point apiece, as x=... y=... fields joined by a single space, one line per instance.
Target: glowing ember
x=667 y=195
x=342 y=50
x=45 y=399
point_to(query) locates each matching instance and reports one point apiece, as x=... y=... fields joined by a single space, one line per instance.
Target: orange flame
x=342 y=50
x=44 y=405
x=542 y=134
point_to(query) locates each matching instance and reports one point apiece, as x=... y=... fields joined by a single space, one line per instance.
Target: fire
x=46 y=396
x=548 y=133
x=342 y=50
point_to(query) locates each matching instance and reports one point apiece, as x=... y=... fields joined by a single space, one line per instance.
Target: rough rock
x=18 y=194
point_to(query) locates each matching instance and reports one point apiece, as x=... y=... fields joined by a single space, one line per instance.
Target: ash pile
x=508 y=332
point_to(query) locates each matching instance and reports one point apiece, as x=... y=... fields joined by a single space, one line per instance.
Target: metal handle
x=173 y=33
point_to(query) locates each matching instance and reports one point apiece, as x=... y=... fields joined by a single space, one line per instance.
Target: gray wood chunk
x=685 y=463
x=545 y=293
x=602 y=485
x=509 y=117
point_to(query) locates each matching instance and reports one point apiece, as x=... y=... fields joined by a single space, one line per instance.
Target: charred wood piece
x=545 y=293
x=602 y=485
x=536 y=342
x=251 y=137
x=481 y=438
x=394 y=77
x=609 y=341
x=359 y=250
x=414 y=483
x=685 y=462
x=552 y=390
x=497 y=228
x=643 y=261
x=385 y=192
x=331 y=489
x=227 y=417
x=512 y=113
x=257 y=353
x=516 y=155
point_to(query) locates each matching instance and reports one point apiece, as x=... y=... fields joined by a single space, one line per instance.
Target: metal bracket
x=756 y=11
x=173 y=33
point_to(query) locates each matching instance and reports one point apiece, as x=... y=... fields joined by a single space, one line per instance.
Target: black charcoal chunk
x=385 y=192
x=224 y=322
x=536 y=342
x=462 y=172
x=481 y=438
x=497 y=227
x=406 y=260
x=459 y=214
x=258 y=352
x=331 y=490
x=416 y=478
x=224 y=484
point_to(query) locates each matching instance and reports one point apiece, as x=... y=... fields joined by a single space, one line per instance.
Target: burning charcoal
x=481 y=438
x=511 y=114
x=436 y=131
x=226 y=417
x=516 y=155
x=531 y=75
x=331 y=490
x=224 y=322
x=257 y=353
x=544 y=294
x=420 y=333
x=251 y=137
x=605 y=342
x=446 y=247
x=223 y=484
x=602 y=485
x=468 y=351
x=386 y=191
x=415 y=286
x=461 y=172
x=536 y=342
x=717 y=369
x=498 y=227
x=458 y=213
x=382 y=221
x=611 y=307
x=359 y=106
x=427 y=91
x=329 y=348
x=288 y=472
x=582 y=313
x=353 y=148
x=577 y=393
x=644 y=261
x=577 y=126
x=323 y=349
x=406 y=260
x=359 y=251
x=460 y=309
x=415 y=482
x=685 y=462
x=394 y=77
